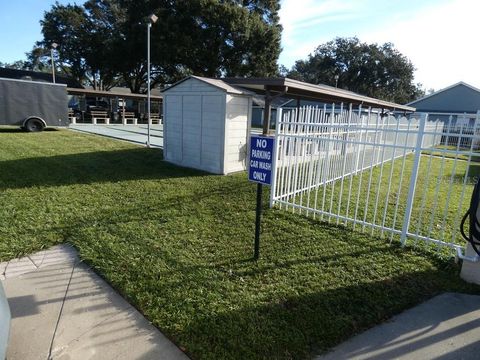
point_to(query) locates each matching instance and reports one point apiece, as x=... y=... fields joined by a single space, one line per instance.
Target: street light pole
x=54 y=46
x=336 y=80
x=152 y=19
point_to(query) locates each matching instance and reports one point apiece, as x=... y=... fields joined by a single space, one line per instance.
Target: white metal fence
x=391 y=175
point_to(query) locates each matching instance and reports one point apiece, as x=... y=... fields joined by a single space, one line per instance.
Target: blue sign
x=260 y=163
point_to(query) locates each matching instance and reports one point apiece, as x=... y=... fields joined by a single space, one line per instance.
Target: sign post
x=260 y=163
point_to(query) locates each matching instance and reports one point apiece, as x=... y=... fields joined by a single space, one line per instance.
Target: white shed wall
x=194 y=126
x=192 y=130
x=205 y=128
x=238 y=113
x=173 y=125
x=213 y=128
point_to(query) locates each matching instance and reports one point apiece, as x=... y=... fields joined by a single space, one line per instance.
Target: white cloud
x=440 y=39
x=298 y=15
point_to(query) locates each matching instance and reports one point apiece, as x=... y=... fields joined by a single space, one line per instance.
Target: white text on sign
x=261 y=157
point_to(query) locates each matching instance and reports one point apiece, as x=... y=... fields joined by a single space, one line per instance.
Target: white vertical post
x=53 y=66
x=273 y=188
x=413 y=178
x=359 y=127
x=52 y=49
x=149 y=26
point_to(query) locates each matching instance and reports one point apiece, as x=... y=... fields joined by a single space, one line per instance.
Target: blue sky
x=20 y=27
x=439 y=36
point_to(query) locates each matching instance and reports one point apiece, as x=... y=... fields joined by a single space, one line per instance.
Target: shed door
x=192 y=130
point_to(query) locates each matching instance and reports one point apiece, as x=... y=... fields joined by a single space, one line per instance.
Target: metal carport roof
x=299 y=89
x=111 y=94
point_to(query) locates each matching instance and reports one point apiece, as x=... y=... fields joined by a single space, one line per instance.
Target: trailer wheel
x=34 y=125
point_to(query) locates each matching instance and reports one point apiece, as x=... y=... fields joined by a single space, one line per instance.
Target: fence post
x=413 y=178
x=273 y=188
x=359 y=125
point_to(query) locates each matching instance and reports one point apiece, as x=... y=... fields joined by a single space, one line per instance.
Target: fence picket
x=364 y=168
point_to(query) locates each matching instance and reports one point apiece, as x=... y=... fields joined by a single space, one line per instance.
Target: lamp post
x=336 y=80
x=152 y=19
x=54 y=46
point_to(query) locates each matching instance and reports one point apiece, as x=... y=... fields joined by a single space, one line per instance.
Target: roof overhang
x=110 y=94
x=299 y=89
x=461 y=83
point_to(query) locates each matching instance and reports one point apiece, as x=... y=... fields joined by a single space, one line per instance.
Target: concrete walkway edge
x=61 y=309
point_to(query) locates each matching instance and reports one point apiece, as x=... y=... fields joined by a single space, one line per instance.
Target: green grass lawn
x=177 y=243
x=438 y=151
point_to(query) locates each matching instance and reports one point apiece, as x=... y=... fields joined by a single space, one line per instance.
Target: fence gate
x=397 y=177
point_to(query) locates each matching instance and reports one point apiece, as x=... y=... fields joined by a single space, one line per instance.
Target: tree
x=105 y=39
x=233 y=38
x=374 y=70
x=39 y=59
x=18 y=65
x=84 y=35
x=202 y=37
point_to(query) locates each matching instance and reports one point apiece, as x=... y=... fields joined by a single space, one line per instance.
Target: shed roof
x=218 y=83
x=303 y=90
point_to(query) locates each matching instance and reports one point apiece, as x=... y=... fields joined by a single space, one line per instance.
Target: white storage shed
x=206 y=125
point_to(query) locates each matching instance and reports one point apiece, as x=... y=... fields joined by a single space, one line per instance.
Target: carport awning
x=110 y=94
x=302 y=90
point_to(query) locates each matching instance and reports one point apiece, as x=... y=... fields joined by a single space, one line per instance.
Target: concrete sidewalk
x=446 y=327
x=62 y=310
x=132 y=133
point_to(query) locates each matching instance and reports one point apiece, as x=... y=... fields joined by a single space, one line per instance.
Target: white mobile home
x=206 y=125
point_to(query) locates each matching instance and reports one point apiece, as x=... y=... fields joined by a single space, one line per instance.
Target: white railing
x=405 y=177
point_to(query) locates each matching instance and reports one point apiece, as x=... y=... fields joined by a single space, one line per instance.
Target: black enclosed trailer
x=33 y=105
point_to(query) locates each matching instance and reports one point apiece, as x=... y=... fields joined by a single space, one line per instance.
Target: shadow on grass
x=310 y=324
x=472 y=173
x=11 y=130
x=92 y=167
x=17 y=129
x=303 y=297
x=474 y=170
x=315 y=285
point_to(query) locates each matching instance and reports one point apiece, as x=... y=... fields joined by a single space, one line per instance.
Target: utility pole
x=54 y=46
x=152 y=19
